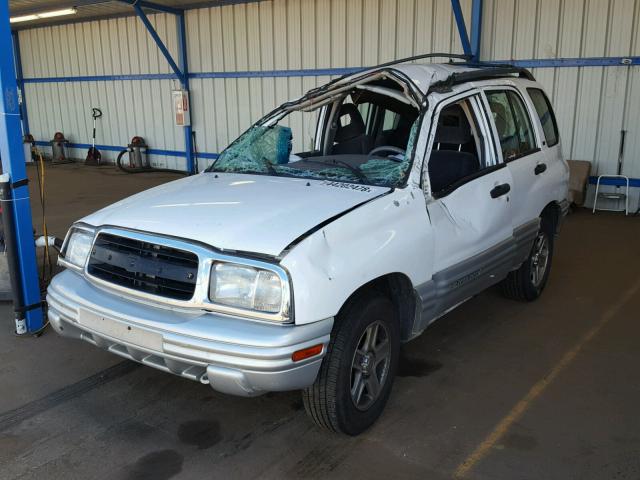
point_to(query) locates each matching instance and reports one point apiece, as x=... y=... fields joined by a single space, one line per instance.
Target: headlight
x=77 y=247
x=246 y=287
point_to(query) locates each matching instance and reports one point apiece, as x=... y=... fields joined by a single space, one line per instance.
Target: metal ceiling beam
x=49 y=6
x=67 y=20
x=154 y=6
x=46 y=6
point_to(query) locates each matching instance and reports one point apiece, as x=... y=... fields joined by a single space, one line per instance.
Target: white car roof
x=424 y=75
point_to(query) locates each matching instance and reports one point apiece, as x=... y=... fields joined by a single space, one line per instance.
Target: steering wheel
x=387 y=148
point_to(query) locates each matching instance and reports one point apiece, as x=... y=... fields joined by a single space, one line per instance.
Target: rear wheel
x=528 y=282
x=357 y=373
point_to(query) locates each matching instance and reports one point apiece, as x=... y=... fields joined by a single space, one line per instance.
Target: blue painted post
x=184 y=66
x=13 y=164
x=462 y=28
x=181 y=72
x=157 y=39
x=20 y=80
x=476 y=29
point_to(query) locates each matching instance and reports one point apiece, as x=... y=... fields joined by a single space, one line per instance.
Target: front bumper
x=233 y=355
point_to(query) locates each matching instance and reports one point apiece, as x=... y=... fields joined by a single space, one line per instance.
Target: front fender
x=387 y=235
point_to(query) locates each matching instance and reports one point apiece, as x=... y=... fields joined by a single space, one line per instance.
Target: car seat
x=446 y=167
x=351 y=134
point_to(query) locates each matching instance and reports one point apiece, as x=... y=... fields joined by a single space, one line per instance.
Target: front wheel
x=529 y=280
x=357 y=373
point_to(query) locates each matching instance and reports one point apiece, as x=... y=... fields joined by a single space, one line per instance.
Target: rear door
x=555 y=173
x=520 y=149
x=469 y=208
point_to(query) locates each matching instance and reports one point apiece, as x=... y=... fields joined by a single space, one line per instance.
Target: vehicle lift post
x=12 y=155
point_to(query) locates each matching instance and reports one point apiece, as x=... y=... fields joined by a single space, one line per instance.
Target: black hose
x=195 y=151
x=12 y=253
x=143 y=169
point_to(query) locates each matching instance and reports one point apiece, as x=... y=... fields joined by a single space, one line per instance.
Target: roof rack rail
x=483 y=72
x=459 y=56
x=450 y=56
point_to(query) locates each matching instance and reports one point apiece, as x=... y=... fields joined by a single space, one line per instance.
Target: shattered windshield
x=365 y=137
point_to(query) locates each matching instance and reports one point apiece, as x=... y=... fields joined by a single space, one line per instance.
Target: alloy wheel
x=370 y=366
x=539 y=259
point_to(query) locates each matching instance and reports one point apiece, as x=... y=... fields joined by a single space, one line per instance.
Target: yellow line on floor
x=520 y=408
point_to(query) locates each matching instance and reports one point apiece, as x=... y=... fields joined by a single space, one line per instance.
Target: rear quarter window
x=545 y=113
x=512 y=123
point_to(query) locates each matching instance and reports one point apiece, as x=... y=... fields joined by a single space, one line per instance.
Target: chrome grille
x=143 y=266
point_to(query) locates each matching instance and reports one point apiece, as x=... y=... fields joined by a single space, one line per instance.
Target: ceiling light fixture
x=38 y=16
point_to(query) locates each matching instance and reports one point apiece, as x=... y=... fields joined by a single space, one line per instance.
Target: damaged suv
x=337 y=227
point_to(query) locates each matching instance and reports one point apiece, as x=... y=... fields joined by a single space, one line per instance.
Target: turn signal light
x=306 y=353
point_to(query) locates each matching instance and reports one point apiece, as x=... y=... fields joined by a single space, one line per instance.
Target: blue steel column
x=476 y=29
x=462 y=28
x=156 y=38
x=13 y=164
x=20 y=80
x=184 y=66
x=182 y=71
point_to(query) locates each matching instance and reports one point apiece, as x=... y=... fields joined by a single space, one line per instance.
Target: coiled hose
x=120 y=166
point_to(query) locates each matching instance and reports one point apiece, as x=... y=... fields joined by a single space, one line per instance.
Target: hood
x=249 y=213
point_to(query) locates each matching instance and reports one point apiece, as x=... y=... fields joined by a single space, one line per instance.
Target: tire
x=527 y=282
x=329 y=401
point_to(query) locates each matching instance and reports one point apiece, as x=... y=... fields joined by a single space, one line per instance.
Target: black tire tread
x=320 y=398
x=514 y=285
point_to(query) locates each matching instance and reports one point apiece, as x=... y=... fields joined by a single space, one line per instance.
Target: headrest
x=350 y=123
x=500 y=119
x=453 y=126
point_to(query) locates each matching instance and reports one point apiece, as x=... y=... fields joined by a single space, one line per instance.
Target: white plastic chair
x=612 y=195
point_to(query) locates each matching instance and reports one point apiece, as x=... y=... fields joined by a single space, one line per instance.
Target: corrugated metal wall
x=299 y=34
x=593 y=103
x=268 y=35
x=107 y=47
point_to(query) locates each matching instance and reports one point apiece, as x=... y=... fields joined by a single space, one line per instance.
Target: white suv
x=412 y=189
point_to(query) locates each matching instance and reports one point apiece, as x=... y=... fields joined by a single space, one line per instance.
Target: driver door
x=469 y=206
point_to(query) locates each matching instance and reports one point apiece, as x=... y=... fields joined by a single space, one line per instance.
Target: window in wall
x=512 y=123
x=547 y=118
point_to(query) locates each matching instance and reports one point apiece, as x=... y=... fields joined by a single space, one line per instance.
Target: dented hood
x=249 y=213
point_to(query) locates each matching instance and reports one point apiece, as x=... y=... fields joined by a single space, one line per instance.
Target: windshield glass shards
x=364 y=136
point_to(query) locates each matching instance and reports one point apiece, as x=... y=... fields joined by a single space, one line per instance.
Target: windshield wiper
x=332 y=161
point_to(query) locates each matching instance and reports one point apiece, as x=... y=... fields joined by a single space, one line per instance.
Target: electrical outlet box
x=181 y=108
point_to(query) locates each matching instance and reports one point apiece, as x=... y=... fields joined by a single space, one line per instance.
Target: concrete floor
x=495 y=390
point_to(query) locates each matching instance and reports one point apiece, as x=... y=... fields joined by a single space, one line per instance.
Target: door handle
x=541 y=167
x=500 y=190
